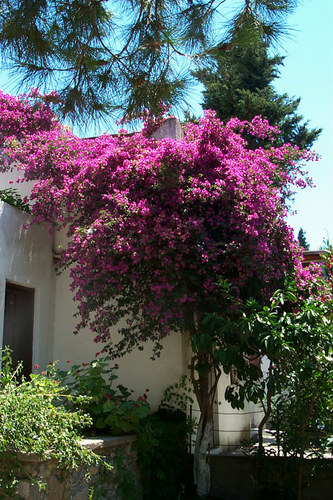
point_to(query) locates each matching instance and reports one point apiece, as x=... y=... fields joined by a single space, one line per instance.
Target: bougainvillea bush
x=153 y=224
x=28 y=113
x=161 y=233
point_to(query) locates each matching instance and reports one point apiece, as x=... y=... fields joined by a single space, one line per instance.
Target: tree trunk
x=205 y=390
x=267 y=413
x=201 y=467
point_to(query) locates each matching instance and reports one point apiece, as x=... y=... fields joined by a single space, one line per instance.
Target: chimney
x=170 y=128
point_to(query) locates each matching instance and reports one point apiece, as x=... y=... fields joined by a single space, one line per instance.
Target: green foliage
x=239 y=84
x=125 y=480
x=162 y=455
x=302 y=239
x=105 y=56
x=12 y=197
x=163 y=441
x=110 y=408
x=302 y=412
x=178 y=396
x=33 y=419
x=296 y=334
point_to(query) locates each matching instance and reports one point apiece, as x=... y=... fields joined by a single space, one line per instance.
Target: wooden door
x=18 y=324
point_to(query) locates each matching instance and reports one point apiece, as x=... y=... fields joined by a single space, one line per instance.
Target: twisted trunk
x=201 y=457
x=204 y=386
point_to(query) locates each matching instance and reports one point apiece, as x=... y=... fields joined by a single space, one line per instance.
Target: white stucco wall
x=10 y=178
x=232 y=426
x=26 y=260
x=136 y=370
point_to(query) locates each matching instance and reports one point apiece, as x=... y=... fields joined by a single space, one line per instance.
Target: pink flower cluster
x=154 y=225
x=26 y=114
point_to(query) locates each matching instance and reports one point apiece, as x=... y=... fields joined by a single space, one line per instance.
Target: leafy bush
x=302 y=413
x=162 y=455
x=178 y=396
x=110 y=408
x=12 y=197
x=33 y=419
x=163 y=445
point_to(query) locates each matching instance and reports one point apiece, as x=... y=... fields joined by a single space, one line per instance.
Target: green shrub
x=163 y=457
x=163 y=439
x=12 y=197
x=33 y=419
x=111 y=409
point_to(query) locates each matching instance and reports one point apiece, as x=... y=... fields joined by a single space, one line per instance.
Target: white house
x=37 y=308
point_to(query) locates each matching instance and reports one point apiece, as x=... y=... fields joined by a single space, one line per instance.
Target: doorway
x=18 y=325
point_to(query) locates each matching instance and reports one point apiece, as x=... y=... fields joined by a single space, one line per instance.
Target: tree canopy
x=124 y=57
x=240 y=83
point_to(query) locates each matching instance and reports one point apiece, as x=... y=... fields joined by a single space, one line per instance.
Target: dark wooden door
x=18 y=325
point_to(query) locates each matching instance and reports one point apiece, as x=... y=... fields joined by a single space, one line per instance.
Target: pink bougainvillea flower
x=156 y=227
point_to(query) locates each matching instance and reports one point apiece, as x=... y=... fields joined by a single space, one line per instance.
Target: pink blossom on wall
x=155 y=225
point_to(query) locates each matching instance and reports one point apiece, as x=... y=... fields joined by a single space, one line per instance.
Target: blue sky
x=307 y=73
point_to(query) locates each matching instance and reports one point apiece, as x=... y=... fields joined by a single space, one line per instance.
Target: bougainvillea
x=153 y=225
x=163 y=233
x=27 y=114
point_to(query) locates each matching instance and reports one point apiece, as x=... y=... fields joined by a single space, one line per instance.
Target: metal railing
x=194 y=414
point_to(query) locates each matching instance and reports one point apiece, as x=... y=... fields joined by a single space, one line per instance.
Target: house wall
x=24 y=257
x=9 y=179
x=136 y=370
x=26 y=260
x=231 y=426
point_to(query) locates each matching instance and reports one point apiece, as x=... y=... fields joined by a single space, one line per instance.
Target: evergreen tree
x=105 y=57
x=302 y=239
x=239 y=84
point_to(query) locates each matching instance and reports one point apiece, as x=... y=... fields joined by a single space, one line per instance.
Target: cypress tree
x=302 y=239
x=239 y=84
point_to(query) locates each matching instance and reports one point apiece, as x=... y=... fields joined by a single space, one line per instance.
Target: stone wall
x=119 y=484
